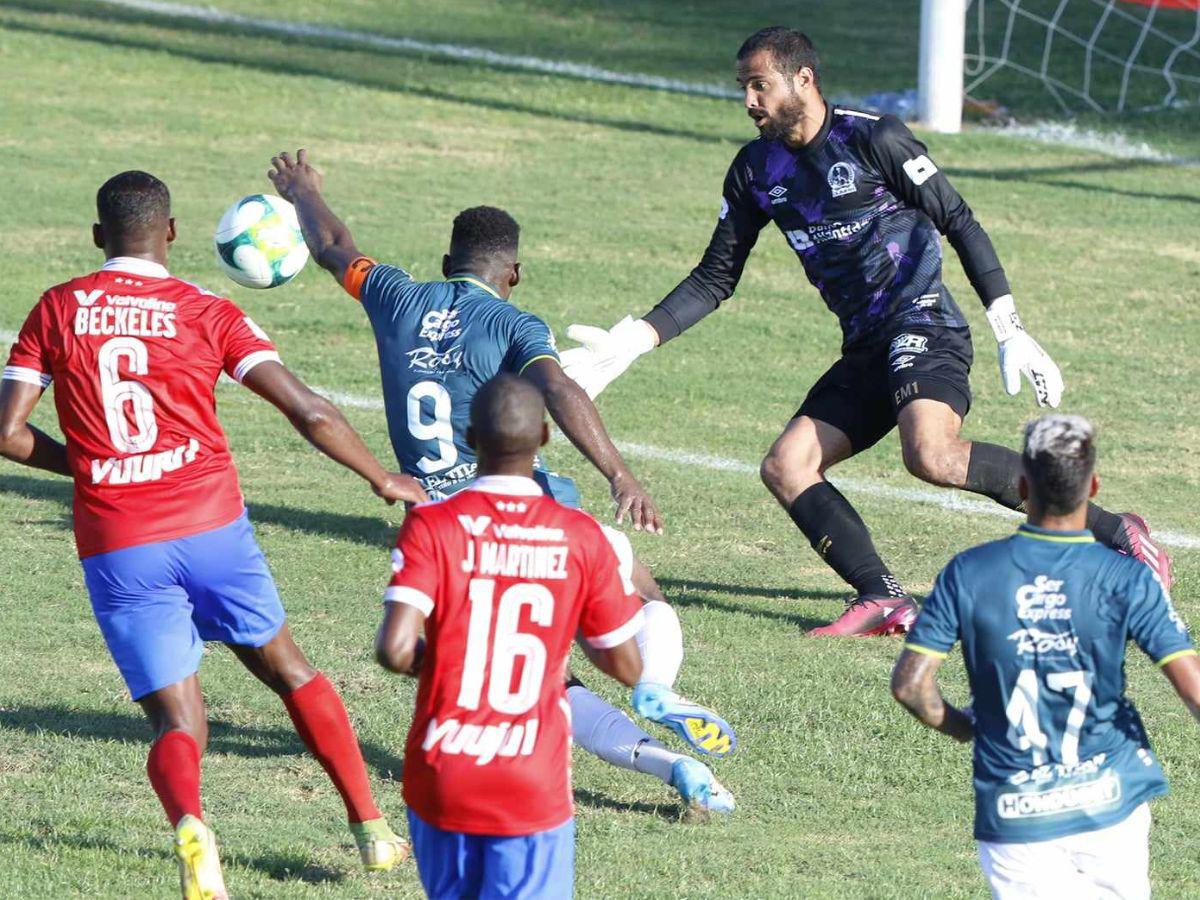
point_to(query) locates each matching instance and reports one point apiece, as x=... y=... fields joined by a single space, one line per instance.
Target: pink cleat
x=1136 y=542
x=869 y=616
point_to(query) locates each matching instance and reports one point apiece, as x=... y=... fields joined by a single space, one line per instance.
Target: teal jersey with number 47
x=438 y=343
x=1044 y=617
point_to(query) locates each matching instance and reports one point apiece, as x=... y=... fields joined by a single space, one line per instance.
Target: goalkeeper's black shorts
x=864 y=391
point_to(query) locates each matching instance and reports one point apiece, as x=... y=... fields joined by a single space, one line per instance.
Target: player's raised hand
x=604 y=355
x=290 y=176
x=395 y=486
x=632 y=500
x=1021 y=355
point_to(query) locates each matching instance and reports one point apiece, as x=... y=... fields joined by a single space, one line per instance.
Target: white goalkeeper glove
x=605 y=354
x=1022 y=355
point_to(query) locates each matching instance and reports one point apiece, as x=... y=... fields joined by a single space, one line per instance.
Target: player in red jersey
x=501 y=578
x=168 y=554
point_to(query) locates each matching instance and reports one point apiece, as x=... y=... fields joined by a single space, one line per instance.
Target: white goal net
x=1083 y=55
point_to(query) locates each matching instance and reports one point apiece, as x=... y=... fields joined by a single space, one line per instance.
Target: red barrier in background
x=1169 y=4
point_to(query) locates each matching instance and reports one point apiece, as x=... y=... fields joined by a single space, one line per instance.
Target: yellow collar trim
x=1057 y=538
x=479 y=284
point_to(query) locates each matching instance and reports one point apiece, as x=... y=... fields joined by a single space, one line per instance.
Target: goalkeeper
x=861 y=203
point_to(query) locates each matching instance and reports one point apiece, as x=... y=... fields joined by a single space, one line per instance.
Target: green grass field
x=840 y=793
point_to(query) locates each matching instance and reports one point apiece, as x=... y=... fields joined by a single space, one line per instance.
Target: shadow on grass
x=371 y=531
x=682 y=592
x=249 y=742
x=1048 y=175
x=234 y=740
x=50 y=838
x=667 y=811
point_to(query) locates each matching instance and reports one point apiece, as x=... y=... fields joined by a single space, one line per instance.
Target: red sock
x=322 y=723
x=174 y=770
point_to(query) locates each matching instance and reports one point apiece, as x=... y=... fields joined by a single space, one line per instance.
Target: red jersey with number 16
x=506 y=577
x=134 y=355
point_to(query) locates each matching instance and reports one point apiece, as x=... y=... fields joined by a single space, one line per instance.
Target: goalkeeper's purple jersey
x=1044 y=617
x=861 y=205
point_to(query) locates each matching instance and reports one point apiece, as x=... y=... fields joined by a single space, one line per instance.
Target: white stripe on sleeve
x=26 y=375
x=249 y=362
x=619 y=635
x=411 y=596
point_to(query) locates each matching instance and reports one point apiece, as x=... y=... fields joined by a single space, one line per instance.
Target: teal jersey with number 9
x=438 y=343
x=1044 y=617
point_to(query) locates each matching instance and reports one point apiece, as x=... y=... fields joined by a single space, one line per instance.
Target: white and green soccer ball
x=259 y=243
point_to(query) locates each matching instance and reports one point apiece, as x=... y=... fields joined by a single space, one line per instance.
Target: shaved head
x=508 y=419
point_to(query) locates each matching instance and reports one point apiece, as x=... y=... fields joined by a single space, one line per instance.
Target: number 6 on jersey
x=505 y=648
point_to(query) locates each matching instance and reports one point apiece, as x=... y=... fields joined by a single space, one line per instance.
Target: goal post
x=940 y=74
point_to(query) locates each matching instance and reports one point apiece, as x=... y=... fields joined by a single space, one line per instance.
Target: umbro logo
x=778 y=194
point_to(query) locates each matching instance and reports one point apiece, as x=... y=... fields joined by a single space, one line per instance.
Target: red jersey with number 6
x=506 y=577
x=134 y=356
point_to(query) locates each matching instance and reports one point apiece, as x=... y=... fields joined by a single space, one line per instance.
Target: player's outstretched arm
x=20 y=441
x=399 y=646
x=329 y=240
x=605 y=353
x=914 y=685
x=574 y=412
x=1184 y=674
x=323 y=425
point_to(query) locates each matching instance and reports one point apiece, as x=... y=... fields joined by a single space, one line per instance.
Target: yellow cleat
x=200 y=875
x=379 y=847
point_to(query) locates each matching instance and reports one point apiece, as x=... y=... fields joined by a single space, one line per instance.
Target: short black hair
x=790 y=50
x=1059 y=458
x=482 y=233
x=507 y=416
x=132 y=202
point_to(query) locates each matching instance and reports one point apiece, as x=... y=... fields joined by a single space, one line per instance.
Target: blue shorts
x=559 y=487
x=157 y=603
x=454 y=865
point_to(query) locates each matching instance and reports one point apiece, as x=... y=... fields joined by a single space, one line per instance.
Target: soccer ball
x=259 y=243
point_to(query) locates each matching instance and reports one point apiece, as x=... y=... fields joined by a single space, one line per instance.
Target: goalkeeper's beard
x=781 y=122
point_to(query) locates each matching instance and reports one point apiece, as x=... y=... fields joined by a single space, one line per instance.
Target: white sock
x=661 y=643
x=604 y=731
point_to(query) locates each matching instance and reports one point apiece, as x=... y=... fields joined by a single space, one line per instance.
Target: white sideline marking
x=1108 y=143
x=448 y=51
x=943 y=497
x=1113 y=144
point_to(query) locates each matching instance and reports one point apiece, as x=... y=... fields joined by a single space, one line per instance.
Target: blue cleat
x=702 y=728
x=698 y=788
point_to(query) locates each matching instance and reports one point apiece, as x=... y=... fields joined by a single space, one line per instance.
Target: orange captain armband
x=356 y=275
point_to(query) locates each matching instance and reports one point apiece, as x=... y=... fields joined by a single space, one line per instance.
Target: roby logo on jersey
x=429 y=359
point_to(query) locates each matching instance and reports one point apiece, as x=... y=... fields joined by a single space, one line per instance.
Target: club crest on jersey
x=841 y=179
x=440 y=325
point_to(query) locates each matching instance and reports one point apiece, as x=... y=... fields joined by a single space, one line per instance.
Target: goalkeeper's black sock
x=840 y=537
x=1107 y=527
x=995 y=471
